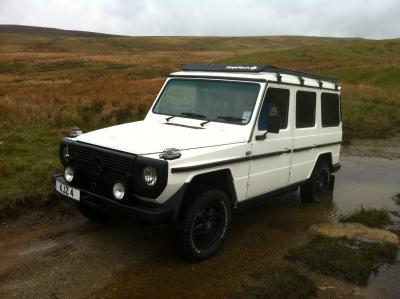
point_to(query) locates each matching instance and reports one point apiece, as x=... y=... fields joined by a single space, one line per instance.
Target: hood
x=148 y=137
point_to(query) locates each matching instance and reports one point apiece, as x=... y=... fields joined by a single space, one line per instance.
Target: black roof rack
x=253 y=69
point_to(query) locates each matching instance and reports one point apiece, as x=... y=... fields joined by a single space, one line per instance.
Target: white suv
x=216 y=138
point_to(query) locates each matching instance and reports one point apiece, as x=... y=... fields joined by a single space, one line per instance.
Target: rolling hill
x=52 y=79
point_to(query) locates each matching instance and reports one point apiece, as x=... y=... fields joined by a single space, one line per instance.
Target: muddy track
x=53 y=252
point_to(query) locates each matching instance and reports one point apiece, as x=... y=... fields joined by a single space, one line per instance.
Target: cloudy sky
x=339 y=18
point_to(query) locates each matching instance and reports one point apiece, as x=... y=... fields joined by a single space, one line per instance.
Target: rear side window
x=305 y=109
x=276 y=102
x=330 y=111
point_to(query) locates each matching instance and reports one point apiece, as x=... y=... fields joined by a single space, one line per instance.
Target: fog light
x=69 y=174
x=150 y=175
x=118 y=191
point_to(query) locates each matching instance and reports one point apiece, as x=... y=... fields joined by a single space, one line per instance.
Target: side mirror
x=274 y=124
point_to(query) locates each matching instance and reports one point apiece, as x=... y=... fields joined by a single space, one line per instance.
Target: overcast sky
x=339 y=18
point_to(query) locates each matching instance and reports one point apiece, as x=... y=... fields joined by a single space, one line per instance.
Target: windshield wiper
x=193 y=114
x=170 y=117
x=205 y=122
x=231 y=118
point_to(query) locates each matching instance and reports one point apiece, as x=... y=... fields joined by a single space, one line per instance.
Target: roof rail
x=281 y=70
x=253 y=69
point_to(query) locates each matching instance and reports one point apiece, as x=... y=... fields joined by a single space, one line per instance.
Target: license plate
x=68 y=191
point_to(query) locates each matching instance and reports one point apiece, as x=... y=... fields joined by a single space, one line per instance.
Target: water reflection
x=385 y=283
x=367 y=182
x=262 y=235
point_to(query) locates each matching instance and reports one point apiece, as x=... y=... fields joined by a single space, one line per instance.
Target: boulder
x=354 y=231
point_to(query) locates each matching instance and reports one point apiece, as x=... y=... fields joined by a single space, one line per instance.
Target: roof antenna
x=278 y=77
x=301 y=79
x=320 y=83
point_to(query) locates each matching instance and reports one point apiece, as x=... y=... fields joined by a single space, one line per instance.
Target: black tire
x=93 y=214
x=316 y=188
x=203 y=223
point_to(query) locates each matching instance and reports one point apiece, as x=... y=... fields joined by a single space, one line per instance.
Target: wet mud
x=52 y=254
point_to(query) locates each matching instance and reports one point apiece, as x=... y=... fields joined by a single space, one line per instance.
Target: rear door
x=271 y=157
x=305 y=134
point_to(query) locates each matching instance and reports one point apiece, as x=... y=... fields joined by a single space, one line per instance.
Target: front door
x=271 y=156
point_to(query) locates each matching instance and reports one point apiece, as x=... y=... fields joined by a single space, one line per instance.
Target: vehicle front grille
x=98 y=169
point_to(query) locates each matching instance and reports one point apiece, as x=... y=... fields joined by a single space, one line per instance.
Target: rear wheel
x=203 y=224
x=316 y=188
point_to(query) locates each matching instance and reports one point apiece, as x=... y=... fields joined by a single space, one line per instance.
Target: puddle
x=263 y=234
x=384 y=284
x=369 y=182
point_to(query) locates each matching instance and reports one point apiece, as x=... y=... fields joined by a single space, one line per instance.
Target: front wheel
x=203 y=224
x=316 y=188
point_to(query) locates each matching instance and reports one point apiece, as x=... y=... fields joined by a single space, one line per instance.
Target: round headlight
x=118 y=191
x=65 y=153
x=69 y=174
x=150 y=175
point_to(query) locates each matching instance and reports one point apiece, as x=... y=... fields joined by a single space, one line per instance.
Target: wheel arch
x=221 y=178
x=325 y=156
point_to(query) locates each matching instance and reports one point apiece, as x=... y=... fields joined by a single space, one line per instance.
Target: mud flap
x=331 y=182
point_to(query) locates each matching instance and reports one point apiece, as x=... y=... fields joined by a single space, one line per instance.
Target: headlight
x=150 y=176
x=65 y=153
x=118 y=191
x=69 y=174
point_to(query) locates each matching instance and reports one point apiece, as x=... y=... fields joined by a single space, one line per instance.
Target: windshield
x=231 y=102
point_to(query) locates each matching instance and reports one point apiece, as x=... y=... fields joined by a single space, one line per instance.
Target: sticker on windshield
x=246 y=116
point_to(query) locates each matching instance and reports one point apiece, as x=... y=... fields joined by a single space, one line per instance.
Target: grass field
x=51 y=80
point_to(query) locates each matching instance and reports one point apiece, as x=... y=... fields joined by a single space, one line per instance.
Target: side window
x=305 y=109
x=330 y=111
x=276 y=102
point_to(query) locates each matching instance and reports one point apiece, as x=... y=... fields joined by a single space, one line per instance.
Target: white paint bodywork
x=217 y=142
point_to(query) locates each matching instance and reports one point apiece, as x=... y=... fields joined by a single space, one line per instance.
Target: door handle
x=286 y=149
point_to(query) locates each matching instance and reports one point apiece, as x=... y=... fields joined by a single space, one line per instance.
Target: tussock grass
x=368 y=217
x=278 y=283
x=87 y=104
x=344 y=258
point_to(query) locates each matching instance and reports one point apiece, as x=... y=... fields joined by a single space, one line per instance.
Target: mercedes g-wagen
x=216 y=138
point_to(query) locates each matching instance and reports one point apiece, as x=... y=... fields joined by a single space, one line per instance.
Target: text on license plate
x=68 y=191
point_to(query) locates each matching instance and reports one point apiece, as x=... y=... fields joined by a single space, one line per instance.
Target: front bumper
x=140 y=211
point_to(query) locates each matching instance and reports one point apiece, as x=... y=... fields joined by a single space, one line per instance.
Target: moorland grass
x=344 y=258
x=368 y=217
x=50 y=82
x=28 y=158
